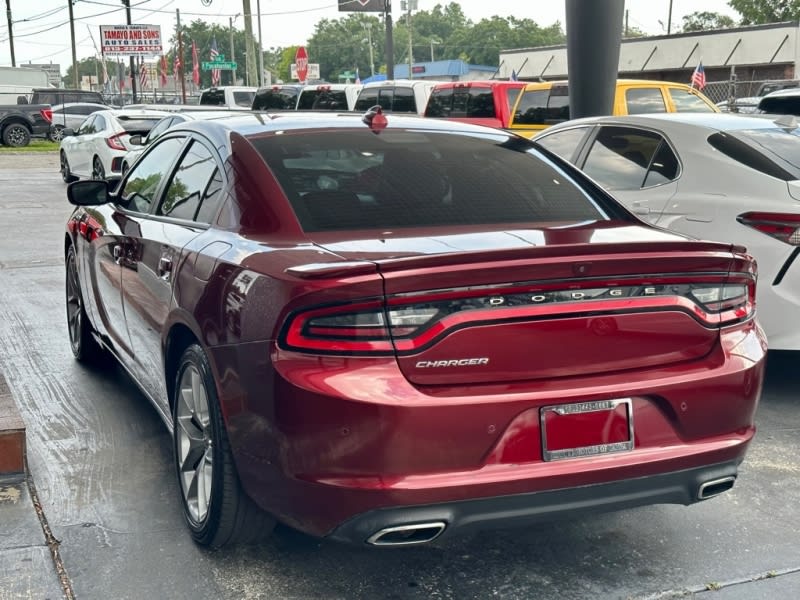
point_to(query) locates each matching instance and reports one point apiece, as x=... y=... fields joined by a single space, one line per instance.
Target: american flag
x=699 y=77
x=163 y=70
x=177 y=66
x=213 y=54
x=143 y=76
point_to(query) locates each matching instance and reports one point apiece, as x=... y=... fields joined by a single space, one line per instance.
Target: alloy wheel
x=98 y=172
x=74 y=304
x=195 y=448
x=57 y=133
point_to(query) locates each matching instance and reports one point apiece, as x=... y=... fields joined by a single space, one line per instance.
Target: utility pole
x=75 y=78
x=669 y=18
x=409 y=4
x=233 y=55
x=127 y=4
x=389 y=41
x=180 y=53
x=368 y=27
x=260 y=48
x=10 y=32
x=248 y=37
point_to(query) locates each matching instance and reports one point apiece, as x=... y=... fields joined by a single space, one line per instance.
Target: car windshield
x=781 y=146
x=356 y=180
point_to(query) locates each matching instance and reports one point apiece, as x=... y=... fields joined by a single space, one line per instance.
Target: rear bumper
x=468 y=516
x=344 y=446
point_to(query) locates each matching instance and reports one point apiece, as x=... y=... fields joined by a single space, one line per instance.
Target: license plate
x=586 y=428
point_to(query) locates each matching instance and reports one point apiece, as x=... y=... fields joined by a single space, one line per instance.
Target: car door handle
x=164 y=266
x=117 y=252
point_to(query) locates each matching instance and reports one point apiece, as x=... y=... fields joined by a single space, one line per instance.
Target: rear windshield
x=134 y=125
x=322 y=100
x=356 y=180
x=280 y=99
x=243 y=98
x=474 y=102
x=785 y=105
x=775 y=152
x=213 y=98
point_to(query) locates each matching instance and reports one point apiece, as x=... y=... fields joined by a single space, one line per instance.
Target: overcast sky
x=41 y=27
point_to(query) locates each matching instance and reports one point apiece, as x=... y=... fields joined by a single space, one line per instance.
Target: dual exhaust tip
x=422 y=533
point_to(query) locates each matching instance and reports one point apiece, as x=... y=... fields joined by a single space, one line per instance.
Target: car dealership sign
x=362 y=5
x=131 y=40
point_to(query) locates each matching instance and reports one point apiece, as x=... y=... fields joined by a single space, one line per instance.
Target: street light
x=408 y=6
x=437 y=42
x=231 y=21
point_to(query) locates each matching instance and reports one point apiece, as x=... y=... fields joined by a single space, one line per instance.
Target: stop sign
x=301 y=62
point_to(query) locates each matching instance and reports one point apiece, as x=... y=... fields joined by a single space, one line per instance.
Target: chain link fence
x=733 y=91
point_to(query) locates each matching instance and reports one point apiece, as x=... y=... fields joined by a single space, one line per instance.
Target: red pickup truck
x=477 y=102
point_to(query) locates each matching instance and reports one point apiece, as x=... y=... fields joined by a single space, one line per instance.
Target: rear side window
x=243 y=98
x=356 y=180
x=472 y=102
x=685 y=101
x=620 y=157
x=367 y=99
x=642 y=101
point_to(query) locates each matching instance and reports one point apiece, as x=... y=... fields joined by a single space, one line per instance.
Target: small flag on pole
x=163 y=70
x=213 y=54
x=195 y=65
x=699 y=77
x=143 y=76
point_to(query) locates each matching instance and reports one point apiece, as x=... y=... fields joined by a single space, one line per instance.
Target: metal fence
x=733 y=89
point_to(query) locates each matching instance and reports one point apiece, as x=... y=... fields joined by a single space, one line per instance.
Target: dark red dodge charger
x=387 y=329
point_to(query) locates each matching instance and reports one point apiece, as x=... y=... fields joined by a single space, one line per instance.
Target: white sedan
x=712 y=176
x=96 y=149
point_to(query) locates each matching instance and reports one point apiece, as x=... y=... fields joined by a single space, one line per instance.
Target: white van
x=396 y=95
x=329 y=96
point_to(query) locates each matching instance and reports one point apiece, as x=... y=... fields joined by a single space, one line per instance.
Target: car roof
x=68 y=105
x=481 y=83
x=714 y=121
x=255 y=123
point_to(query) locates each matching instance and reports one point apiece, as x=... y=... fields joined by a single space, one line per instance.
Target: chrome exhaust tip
x=407 y=535
x=715 y=487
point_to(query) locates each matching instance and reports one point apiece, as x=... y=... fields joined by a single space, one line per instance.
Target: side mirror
x=136 y=140
x=89 y=192
x=67 y=131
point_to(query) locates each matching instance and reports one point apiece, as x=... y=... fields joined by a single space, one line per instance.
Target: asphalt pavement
x=98 y=515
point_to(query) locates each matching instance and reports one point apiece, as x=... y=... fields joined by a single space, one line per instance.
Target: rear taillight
x=115 y=143
x=406 y=324
x=781 y=226
x=47 y=114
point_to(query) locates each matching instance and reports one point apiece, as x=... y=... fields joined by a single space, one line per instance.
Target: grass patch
x=36 y=145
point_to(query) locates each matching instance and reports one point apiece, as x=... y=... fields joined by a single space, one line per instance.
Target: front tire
x=84 y=347
x=215 y=507
x=66 y=174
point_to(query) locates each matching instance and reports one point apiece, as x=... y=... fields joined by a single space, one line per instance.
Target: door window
x=564 y=143
x=87 y=126
x=664 y=167
x=367 y=99
x=99 y=123
x=620 y=157
x=481 y=103
x=190 y=184
x=403 y=101
x=141 y=185
x=642 y=101
x=685 y=101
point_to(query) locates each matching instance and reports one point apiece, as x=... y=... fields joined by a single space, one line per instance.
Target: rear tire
x=16 y=135
x=84 y=347
x=98 y=170
x=215 y=506
x=56 y=133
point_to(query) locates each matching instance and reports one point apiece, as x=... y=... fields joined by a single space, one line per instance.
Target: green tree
x=703 y=21
x=86 y=66
x=758 y=12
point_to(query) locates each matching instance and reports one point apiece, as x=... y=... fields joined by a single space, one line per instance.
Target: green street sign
x=218 y=64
